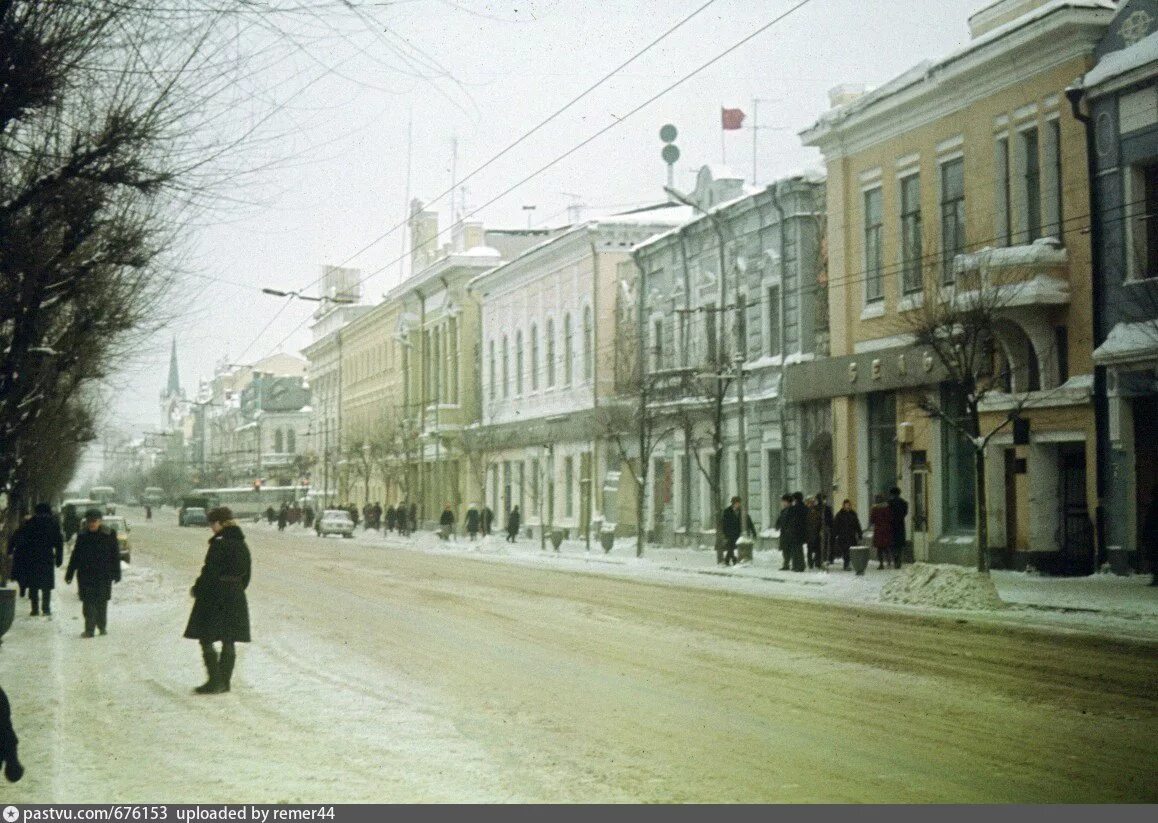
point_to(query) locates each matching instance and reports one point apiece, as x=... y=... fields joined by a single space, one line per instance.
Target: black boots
x=225 y=667
x=213 y=667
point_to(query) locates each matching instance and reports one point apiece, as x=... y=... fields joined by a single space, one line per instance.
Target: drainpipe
x=1101 y=401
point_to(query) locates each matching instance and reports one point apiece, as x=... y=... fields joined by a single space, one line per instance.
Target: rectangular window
x=1032 y=183
x=710 y=348
x=1143 y=224
x=656 y=344
x=1003 y=227
x=773 y=325
x=588 y=343
x=882 y=437
x=522 y=485
x=568 y=351
x=519 y=363
x=535 y=480
x=952 y=215
x=1052 y=181
x=491 y=367
x=958 y=475
x=873 y=225
x=1061 y=344
x=773 y=485
x=911 y=234
x=568 y=487
x=534 y=358
x=550 y=353
x=506 y=368
x=453 y=364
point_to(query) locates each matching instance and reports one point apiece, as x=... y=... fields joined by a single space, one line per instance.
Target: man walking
x=486 y=520
x=35 y=546
x=731 y=531
x=96 y=563
x=794 y=524
x=472 y=522
x=514 y=520
x=900 y=510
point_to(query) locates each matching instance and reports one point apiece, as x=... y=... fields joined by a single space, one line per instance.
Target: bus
x=249 y=503
x=106 y=496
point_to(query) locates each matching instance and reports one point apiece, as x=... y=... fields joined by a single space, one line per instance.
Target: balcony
x=1012 y=277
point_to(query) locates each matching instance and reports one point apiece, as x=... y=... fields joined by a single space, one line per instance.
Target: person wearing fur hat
x=220 y=609
x=96 y=563
x=34 y=547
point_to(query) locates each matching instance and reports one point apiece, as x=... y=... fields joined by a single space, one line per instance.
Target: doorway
x=1077 y=531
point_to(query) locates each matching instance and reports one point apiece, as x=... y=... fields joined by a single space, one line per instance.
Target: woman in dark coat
x=472 y=522
x=220 y=609
x=846 y=531
x=35 y=546
x=881 y=517
x=96 y=562
x=514 y=520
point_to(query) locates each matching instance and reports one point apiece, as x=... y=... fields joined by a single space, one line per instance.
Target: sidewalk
x=1105 y=604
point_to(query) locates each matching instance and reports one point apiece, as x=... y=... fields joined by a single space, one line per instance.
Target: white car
x=335 y=521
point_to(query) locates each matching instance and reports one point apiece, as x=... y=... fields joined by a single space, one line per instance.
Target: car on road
x=335 y=521
x=193 y=516
x=118 y=524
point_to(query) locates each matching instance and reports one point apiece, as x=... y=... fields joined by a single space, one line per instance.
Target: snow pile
x=944 y=587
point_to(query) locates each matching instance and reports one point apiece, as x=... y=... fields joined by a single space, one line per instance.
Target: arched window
x=588 y=343
x=291 y=441
x=568 y=351
x=506 y=367
x=550 y=352
x=519 y=363
x=534 y=357
x=277 y=441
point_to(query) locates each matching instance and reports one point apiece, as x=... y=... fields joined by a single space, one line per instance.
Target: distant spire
x=174 y=387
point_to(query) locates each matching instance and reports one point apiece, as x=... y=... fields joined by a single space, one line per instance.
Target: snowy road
x=381 y=674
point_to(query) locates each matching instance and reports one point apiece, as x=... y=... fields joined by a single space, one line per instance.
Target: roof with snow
x=1117 y=63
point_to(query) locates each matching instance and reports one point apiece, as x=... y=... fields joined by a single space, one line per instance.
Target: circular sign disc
x=668 y=133
x=671 y=154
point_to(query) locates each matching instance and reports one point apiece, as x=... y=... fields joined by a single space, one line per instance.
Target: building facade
x=955 y=182
x=1121 y=104
x=767 y=308
x=549 y=333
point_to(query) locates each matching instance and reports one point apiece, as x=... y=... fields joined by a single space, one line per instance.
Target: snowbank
x=944 y=587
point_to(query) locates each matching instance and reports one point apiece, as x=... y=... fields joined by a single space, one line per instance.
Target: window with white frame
x=1142 y=227
x=490 y=365
x=506 y=367
x=568 y=351
x=519 y=363
x=772 y=326
x=1031 y=182
x=534 y=357
x=952 y=215
x=1003 y=227
x=911 y=247
x=550 y=352
x=588 y=343
x=873 y=227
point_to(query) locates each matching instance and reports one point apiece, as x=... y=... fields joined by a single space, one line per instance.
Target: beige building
x=437 y=330
x=966 y=175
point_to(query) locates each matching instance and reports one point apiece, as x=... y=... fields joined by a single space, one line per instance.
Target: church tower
x=173 y=397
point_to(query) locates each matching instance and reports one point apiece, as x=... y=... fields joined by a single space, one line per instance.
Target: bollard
x=1119 y=560
x=860 y=558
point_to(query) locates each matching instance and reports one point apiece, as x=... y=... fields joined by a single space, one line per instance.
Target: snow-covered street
x=379 y=673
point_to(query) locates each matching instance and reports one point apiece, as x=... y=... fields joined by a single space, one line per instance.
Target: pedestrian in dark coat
x=793 y=523
x=282 y=517
x=8 y=742
x=70 y=521
x=446 y=522
x=96 y=563
x=35 y=547
x=472 y=522
x=814 y=533
x=390 y=518
x=1148 y=539
x=412 y=524
x=308 y=516
x=846 y=531
x=730 y=532
x=900 y=509
x=220 y=609
x=486 y=520
x=881 y=518
x=514 y=520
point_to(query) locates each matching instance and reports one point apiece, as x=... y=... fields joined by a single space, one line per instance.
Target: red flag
x=731 y=119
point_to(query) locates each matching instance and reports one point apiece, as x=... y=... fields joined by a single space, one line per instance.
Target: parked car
x=193 y=516
x=335 y=521
x=118 y=524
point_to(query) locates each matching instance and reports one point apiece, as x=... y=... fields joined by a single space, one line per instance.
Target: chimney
x=845 y=93
x=423 y=236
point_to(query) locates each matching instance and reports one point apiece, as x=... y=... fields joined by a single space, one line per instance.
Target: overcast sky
x=336 y=178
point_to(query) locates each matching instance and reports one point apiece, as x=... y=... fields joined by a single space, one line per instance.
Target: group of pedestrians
x=810 y=522
x=477 y=521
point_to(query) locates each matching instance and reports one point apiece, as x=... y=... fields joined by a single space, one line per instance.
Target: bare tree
x=957 y=319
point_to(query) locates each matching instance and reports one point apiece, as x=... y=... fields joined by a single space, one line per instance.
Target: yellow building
x=372 y=438
x=966 y=176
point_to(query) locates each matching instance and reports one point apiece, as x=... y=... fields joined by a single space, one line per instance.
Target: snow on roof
x=1129 y=343
x=482 y=251
x=1117 y=63
x=927 y=68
